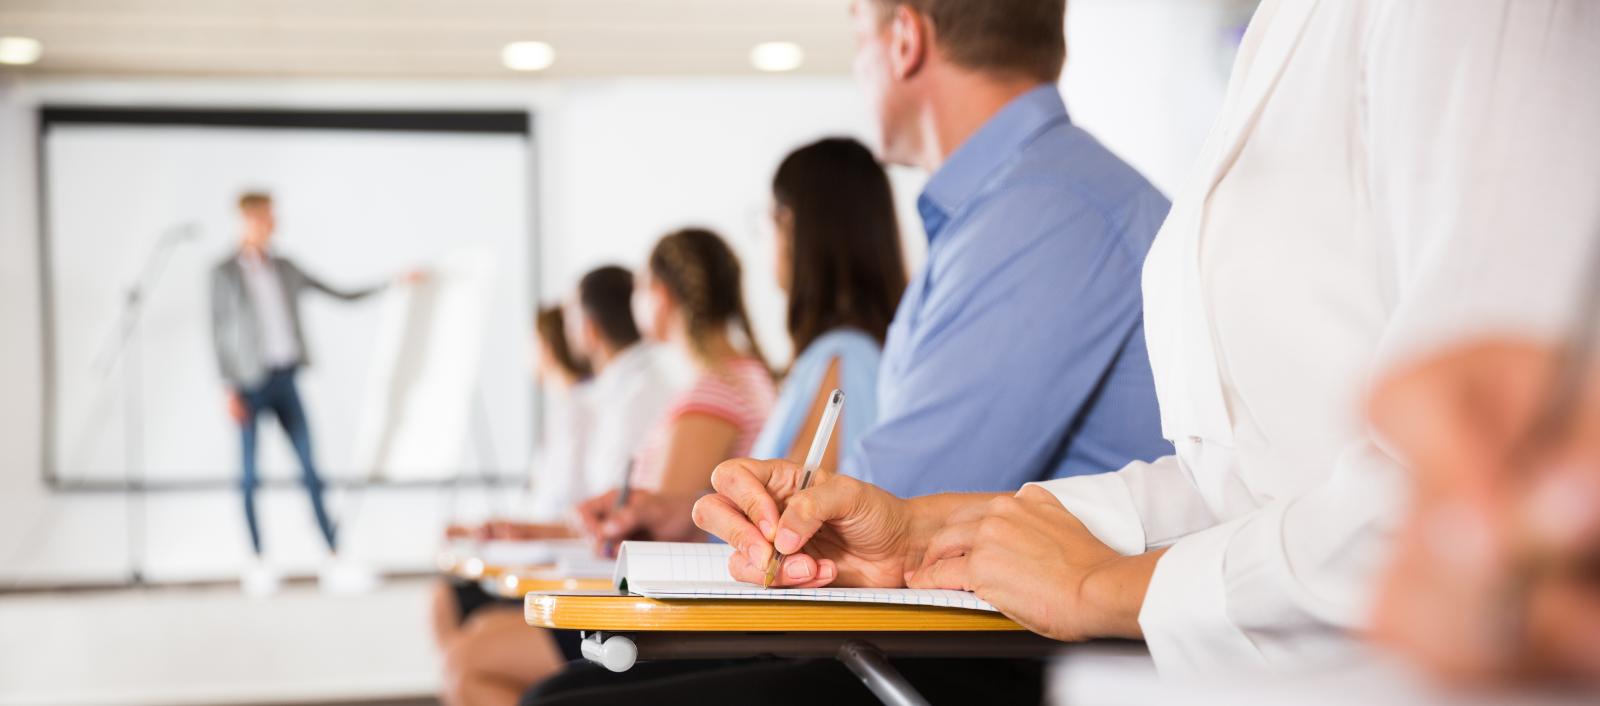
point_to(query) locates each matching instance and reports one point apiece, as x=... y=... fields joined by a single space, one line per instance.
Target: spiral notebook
x=686 y=571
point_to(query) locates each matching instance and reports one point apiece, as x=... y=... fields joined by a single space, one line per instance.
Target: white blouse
x=1385 y=176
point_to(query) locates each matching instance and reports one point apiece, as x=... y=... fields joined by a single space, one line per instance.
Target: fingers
x=718 y=515
x=951 y=541
x=748 y=484
x=832 y=499
x=592 y=512
x=1562 y=509
x=796 y=571
x=953 y=573
x=619 y=524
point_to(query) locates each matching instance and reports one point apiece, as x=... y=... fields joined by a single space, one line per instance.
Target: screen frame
x=519 y=122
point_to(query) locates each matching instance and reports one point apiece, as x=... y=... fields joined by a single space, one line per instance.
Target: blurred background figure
x=255 y=321
x=594 y=426
x=1496 y=575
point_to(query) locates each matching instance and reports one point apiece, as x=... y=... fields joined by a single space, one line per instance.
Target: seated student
x=1351 y=212
x=1497 y=490
x=633 y=383
x=1018 y=351
x=689 y=297
x=482 y=638
x=838 y=259
x=555 y=478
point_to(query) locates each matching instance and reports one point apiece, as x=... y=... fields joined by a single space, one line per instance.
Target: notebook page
x=672 y=561
x=940 y=598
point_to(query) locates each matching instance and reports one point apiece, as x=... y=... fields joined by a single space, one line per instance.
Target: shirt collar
x=994 y=144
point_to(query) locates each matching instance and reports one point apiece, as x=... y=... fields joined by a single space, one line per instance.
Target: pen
x=622 y=500
x=819 y=446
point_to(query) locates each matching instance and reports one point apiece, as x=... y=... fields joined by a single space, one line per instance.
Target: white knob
x=617 y=653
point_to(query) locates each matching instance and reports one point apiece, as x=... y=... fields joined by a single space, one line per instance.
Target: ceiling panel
x=419 y=38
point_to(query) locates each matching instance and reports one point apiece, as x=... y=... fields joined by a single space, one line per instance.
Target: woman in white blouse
x=1385 y=176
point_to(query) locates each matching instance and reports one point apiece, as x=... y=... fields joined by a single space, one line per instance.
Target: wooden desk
x=517 y=583
x=620 y=629
x=607 y=610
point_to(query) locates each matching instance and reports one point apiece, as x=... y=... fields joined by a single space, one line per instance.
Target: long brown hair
x=701 y=272
x=550 y=324
x=846 y=267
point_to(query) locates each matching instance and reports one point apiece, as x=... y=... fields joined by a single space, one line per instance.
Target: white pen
x=819 y=446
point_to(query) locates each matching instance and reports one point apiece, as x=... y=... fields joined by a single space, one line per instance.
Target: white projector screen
x=355 y=207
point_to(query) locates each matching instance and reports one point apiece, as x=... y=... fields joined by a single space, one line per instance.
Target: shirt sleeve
x=1017 y=330
x=1479 y=122
x=325 y=288
x=221 y=326
x=1142 y=506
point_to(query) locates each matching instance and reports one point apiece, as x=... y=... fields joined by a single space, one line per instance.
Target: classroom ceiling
x=437 y=39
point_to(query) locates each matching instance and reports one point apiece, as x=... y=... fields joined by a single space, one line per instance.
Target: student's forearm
x=928 y=514
x=1113 y=594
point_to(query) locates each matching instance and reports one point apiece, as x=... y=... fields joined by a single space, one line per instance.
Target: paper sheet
x=678 y=570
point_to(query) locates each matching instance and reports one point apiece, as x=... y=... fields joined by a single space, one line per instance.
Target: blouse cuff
x=1103 y=504
x=1185 y=615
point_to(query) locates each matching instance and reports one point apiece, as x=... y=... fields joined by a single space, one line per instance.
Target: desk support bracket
x=873 y=669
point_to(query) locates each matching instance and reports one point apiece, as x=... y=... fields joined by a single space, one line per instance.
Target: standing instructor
x=256 y=331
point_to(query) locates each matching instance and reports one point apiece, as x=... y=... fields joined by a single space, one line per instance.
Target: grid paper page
x=934 y=597
x=671 y=561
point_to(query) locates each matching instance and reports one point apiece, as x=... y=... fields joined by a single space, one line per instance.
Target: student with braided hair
x=689 y=298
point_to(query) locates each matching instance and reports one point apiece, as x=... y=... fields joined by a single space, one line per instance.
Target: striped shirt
x=742 y=393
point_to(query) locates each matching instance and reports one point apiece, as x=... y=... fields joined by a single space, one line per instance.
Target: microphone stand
x=124 y=347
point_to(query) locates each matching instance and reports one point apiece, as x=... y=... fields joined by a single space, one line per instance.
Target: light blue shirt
x=859 y=356
x=1017 y=353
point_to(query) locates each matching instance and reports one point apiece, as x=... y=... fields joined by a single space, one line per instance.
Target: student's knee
x=458 y=670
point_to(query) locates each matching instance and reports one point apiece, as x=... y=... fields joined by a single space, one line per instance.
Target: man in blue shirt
x=1018 y=352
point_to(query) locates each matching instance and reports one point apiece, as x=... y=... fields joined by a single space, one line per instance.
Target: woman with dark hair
x=839 y=261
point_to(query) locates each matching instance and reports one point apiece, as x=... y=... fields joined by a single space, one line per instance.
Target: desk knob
x=617 y=653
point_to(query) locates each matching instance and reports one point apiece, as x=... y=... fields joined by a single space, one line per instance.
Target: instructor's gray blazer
x=234 y=329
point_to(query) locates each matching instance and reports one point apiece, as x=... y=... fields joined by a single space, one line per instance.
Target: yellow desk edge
x=516 y=584
x=623 y=613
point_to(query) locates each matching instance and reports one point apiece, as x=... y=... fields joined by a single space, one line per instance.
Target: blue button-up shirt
x=1017 y=353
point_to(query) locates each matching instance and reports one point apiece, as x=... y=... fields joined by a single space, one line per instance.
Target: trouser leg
x=247 y=476
x=291 y=414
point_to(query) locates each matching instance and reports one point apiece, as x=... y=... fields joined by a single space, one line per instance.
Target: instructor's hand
x=839 y=531
x=236 y=408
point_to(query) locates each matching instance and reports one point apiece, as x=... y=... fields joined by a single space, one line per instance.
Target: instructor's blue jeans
x=279 y=396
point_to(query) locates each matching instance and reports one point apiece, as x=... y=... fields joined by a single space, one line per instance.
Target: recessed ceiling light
x=19 y=50
x=528 y=56
x=777 y=56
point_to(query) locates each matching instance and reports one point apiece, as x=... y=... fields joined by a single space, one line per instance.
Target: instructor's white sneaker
x=343 y=577
x=259 y=579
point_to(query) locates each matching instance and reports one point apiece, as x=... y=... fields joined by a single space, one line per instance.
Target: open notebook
x=681 y=570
